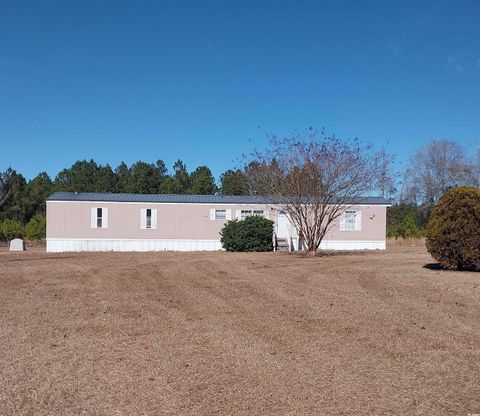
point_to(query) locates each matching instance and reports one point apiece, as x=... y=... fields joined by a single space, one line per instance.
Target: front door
x=282 y=225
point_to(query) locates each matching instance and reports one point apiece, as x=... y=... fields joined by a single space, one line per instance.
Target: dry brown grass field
x=237 y=334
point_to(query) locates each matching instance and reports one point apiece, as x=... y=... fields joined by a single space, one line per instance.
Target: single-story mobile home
x=133 y=222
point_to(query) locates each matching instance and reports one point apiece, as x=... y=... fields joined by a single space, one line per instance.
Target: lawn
x=237 y=334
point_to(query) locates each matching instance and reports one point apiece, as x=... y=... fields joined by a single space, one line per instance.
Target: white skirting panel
x=353 y=245
x=59 y=245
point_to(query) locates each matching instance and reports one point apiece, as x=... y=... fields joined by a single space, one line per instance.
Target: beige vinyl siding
x=180 y=221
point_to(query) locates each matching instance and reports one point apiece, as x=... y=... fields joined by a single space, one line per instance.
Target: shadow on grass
x=332 y=253
x=434 y=266
x=438 y=266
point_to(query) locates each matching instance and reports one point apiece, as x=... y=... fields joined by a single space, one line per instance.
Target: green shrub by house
x=9 y=229
x=251 y=234
x=400 y=219
x=453 y=232
x=35 y=228
x=406 y=228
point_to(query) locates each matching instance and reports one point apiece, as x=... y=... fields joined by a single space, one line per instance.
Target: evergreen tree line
x=433 y=169
x=22 y=201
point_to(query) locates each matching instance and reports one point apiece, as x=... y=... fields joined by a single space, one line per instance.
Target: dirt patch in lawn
x=238 y=334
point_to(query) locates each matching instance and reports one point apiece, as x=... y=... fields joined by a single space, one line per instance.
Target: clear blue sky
x=146 y=80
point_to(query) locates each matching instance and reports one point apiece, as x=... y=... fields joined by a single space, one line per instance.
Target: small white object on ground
x=17 y=245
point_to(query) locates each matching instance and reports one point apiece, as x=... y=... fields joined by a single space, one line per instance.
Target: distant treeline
x=21 y=200
x=432 y=169
x=407 y=220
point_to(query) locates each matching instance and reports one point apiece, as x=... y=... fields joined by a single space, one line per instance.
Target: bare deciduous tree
x=386 y=176
x=476 y=168
x=435 y=168
x=314 y=179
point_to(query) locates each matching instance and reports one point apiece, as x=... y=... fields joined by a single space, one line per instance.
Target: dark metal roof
x=188 y=199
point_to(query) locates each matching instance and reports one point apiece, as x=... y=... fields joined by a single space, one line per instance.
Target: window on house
x=99 y=218
x=148 y=218
x=350 y=218
x=244 y=213
x=220 y=214
x=148 y=223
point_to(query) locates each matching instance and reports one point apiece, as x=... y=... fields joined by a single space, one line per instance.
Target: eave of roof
x=188 y=199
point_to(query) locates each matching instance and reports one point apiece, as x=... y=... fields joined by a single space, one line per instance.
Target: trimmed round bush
x=250 y=234
x=35 y=228
x=453 y=232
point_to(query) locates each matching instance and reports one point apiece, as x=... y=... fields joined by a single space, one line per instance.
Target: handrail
x=289 y=240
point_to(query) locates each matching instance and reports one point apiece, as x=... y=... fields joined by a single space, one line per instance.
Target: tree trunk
x=311 y=249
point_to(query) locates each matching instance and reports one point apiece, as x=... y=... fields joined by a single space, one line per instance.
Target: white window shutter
x=93 y=217
x=228 y=214
x=358 y=220
x=143 y=218
x=212 y=213
x=238 y=214
x=104 y=217
x=342 y=222
x=154 y=218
